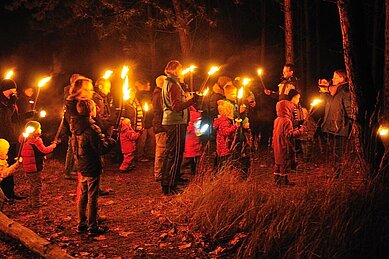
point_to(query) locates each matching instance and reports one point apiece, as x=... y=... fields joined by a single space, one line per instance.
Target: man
x=289 y=81
x=175 y=119
x=9 y=122
x=338 y=117
x=104 y=103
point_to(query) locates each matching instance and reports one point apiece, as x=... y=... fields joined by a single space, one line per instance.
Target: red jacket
x=33 y=153
x=224 y=136
x=283 y=133
x=192 y=140
x=128 y=139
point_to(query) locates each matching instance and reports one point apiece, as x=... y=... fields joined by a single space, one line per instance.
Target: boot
x=277 y=179
x=286 y=181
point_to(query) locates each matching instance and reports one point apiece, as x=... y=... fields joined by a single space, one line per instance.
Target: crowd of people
x=167 y=125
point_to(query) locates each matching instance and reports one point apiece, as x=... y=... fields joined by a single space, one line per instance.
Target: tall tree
x=288 y=27
x=182 y=28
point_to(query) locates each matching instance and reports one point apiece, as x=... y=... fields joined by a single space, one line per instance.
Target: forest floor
x=141 y=220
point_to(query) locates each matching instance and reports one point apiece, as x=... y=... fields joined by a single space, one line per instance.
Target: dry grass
x=251 y=219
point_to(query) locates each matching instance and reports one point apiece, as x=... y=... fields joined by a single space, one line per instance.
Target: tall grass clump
x=249 y=219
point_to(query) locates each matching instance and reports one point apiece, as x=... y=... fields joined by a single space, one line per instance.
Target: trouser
x=336 y=149
x=69 y=161
x=160 y=152
x=8 y=183
x=146 y=144
x=175 y=145
x=87 y=194
x=193 y=161
x=128 y=161
x=35 y=181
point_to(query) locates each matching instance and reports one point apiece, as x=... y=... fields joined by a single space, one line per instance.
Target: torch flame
x=213 y=70
x=259 y=71
x=189 y=69
x=383 y=131
x=126 y=89
x=206 y=91
x=316 y=102
x=125 y=70
x=146 y=107
x=9 y=74
x=240 y=93
x=107 y=74
x=43 y=81
x=28 y=131
x=42 y=114
x=246 y=81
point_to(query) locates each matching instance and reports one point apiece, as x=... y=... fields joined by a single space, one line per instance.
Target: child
x=88 y=144
x=192 y=150
x=128 y=138
x=225 y=130
x=33 y=153
x=5 y=170
x=283 y=134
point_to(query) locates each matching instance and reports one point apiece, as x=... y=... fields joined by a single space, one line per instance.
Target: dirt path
x=136 y=212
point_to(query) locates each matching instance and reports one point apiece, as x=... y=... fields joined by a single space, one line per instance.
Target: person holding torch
x=175 y=119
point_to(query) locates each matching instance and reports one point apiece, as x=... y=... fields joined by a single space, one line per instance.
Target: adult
x=175 y=119
x=9 y=122
x=25 y=104
x=338 y=117
x=146 y=141
x=289 y=81
x=104 y=105
x=160 y=133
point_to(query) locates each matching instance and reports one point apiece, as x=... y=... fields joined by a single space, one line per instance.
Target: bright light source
x=9 y=74
x=189 y=69
x=316 y=102
x=146 y=107
x=206 y=91
x=44 y=81
x=124 y=73
x=240 y=93
x=383 y=131
x=204 y=128
x=213 y=70
x=29 y=130
x=259 y=71
x=107 y=74
x=246 y=81
x=42 y=114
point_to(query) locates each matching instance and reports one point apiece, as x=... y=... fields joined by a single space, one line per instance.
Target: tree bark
x=386 y=71
x=182 y=29
x=30 y=239
x=288 y=27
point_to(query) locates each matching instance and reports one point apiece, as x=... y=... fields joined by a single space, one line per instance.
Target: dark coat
x=8 y=118
x=157 y=110
x=104 y=104
x=338 y=113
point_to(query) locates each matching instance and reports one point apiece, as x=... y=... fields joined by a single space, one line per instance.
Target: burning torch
x=9 y=74
x=190 y=70
x=41 y=83
x=212 y=71
x=107 y=74
x=25 y=134
x=125 y=95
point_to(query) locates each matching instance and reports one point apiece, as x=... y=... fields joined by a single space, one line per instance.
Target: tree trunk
x=263 y=32
x=30 y=239
x=308 y=56
x=152 y=42
x=182 y=29
x=288 y=27
x=386 y=71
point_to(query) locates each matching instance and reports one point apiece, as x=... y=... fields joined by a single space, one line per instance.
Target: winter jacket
x=338 y=114
x=225 y=131
x=33 y=153
x=128 y=139
x=103 y=108
x=6 y=170
x=88 y=144
x=192 y=140
x=283 y=133
x=175 y=106
x=157 y=110
x=8 y=118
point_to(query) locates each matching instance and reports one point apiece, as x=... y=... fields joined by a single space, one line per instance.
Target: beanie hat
x=7 y=84
x=4 y=146
x=36 y=125
x=292 y=93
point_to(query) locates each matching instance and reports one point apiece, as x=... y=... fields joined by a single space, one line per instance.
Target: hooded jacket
x=33 y=153
x=224 y=136
x=88 y=144
x=283 y=132
x=192 y=140
x=128 y=138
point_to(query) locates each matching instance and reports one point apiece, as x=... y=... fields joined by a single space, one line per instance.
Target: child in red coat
x=225 y=128
x=283 y=134
x=128 y=138
x=33 y=153
x=192 y=150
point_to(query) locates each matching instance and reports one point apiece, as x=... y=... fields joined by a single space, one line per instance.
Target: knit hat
x=292 y=93
x=4 y=146
x=34 y=124
x=7 y=84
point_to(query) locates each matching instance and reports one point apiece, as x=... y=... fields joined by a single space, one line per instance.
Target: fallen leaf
x=163 y=236
x=185 y=246
x=125 y=234
x=100 y=238
x=162 y=245
x=107 y=203
x=156 y=213
x=67 y=219
x=84 y=253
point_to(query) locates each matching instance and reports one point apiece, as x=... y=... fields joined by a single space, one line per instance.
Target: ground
x=142 y=221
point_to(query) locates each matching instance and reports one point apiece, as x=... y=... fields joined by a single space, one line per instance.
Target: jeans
x=160 y=152
x=87 y=194
x=175 y=145
x=35 y=181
